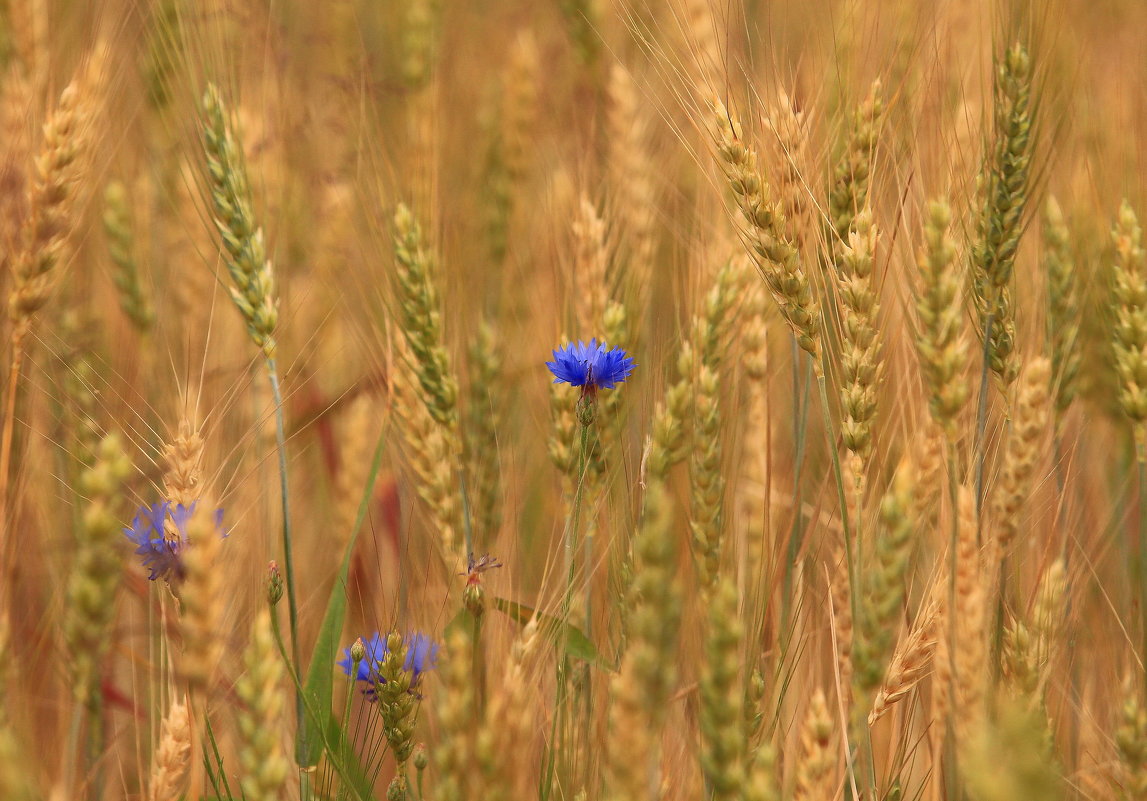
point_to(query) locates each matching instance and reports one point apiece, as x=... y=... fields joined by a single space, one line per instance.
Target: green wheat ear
x=722 y=713
x=421 y=317
x=245 y=252
x=765 y=229
x=999 y=224
x=941 y=341
x=1130 y=332
x=1063 y=319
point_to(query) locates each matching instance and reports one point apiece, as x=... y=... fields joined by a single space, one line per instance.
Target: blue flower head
x=163 y=555
x=591 y=366
x=421 y=656
x=367 y=669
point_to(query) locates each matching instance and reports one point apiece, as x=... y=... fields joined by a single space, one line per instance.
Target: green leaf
x=340 y=752
x=576 y=644
x=319 y=688
x=463 y=620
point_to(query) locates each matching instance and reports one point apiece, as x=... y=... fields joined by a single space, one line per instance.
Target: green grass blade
x=573 y=639
x=319 y=687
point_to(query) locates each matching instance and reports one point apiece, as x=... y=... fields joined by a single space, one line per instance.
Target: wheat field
x=573 y=400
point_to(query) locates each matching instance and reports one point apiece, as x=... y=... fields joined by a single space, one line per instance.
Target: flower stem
x=288 y=557
x=800 y=426
x=563 y=617
x=6 y=438
x=839 y=476
x=1141 y=459
x=866 y=744
x=982 y=411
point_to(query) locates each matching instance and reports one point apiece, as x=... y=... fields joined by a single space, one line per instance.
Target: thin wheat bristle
x=701 y=32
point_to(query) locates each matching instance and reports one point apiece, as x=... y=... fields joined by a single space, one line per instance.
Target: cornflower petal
x=592 y=365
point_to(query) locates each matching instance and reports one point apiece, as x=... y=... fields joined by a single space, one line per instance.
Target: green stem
x=72 y=746
x=478 y=667
x=950 y=775
x=288 y=551
x=982 y=411
x=1059 y=527
x=1141 y=458
x=95 y=740
x=997 y=654
x=838 y=474
x=336 y=752
x=563 y=617
x=467 y=525
x=350 y=689
x=800 y=423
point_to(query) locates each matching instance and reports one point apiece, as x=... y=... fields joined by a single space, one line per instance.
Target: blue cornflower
x=367 y=669
x=421 y=656
x=163 y=557
x=590 y=366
